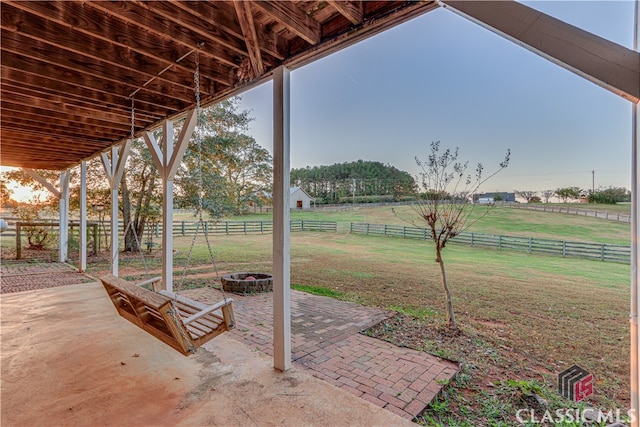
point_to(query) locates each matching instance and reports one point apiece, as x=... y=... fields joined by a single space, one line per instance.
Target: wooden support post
x=63 y=241
x=167 y=160
x=281 y=218
x=82 y=262
x=114 y=169
x=18 y=241
x=96 y=239
x=114 y=214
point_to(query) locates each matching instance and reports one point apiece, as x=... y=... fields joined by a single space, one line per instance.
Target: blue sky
x=441 y=77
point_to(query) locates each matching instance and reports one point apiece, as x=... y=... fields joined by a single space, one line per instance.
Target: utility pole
x=354 y=192
x=593 y=182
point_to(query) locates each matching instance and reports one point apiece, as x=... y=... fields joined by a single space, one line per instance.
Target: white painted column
x=114 y=213
x=82 y=262
x=114 y=169
x=63 y=240
x=281 y=221
x=167 y=162
x=635 y=271
x=167 y=209
x=635 y=242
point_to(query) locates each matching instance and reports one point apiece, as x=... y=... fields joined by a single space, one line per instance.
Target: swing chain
x=133 y=119
x=201 y=222
x=196 y=80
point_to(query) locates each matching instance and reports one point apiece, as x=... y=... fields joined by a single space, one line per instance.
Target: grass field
x=498 y=220
x=524 y=317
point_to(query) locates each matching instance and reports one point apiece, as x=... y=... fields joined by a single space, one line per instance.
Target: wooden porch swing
x=177 y=321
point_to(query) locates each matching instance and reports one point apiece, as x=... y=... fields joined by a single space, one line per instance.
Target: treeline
x=359 y=182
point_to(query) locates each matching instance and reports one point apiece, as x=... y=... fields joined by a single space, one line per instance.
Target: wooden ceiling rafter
x=293 y=18
x=69 y=67
x=72 y=92
x=69 y=63
x=10 y=89
x=222 y=47
x=27 y=102
x=352 y=10
x=245 y=17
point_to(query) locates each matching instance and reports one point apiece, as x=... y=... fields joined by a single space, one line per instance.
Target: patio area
x=67 y=357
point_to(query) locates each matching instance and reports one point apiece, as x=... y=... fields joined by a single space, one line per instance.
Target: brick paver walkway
x=326 y=340
x=18 y=277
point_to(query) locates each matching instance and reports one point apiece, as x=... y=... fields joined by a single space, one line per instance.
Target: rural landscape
x=535 y=281
x=523 y=317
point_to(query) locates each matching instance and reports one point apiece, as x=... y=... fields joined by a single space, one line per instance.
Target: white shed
x=299 y=199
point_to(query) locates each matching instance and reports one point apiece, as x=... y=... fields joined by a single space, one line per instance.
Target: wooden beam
x=44 y=145
x=8 y=88
x=221 y=14
x=53 y=72
x=281 y=219
x=48 y=113
x=130 y=66
x=150 y=104
x=82 y=246
x=121 y=79
x=245 y=16
x=220 y=69
x=42 y=180
x=220 y=45
x=154 y=150
x=27 y=128
x=30 y=101
x=598 y=60
x=181 y=145
x=352 y=10
x=63 y=232
x=293 y=18
x=93 y=23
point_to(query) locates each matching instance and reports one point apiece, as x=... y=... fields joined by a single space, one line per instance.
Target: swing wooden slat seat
x=177 y=321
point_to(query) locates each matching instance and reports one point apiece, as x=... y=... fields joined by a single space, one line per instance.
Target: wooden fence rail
x=188 y=228
x=602 y=252
x=611 y=216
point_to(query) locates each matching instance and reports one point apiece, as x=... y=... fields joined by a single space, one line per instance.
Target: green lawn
x=498 y=220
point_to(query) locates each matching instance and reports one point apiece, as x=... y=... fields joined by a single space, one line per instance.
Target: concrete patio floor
x=68 y=359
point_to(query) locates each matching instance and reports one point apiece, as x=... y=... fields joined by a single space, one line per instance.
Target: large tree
x=233 y=167
x=361 y=178
x=447 y=209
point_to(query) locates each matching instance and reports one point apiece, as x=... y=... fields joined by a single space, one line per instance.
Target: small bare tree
x=447 y=210
x=547 y=194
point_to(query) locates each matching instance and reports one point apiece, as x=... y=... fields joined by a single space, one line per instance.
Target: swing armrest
x=206 y=311
x=149 y=281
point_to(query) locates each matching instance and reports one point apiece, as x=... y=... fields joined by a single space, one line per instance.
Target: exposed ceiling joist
x=71 y=68
x=293 y=18
x=352 y=10
x=245 y=16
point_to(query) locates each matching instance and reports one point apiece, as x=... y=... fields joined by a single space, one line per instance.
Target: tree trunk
x=129 y=226
x=449 y=303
